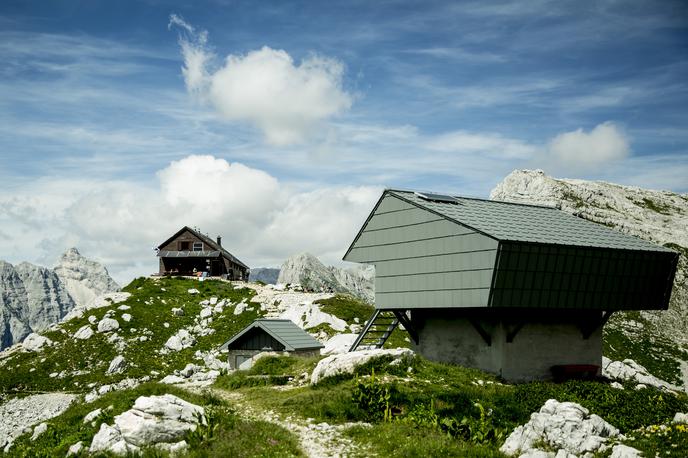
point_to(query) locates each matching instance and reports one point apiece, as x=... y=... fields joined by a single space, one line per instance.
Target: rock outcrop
x=84 y=279
x=160 y=421
x=34 y=297
x=559 y=426
x=307 y=270
x=345 y=363
x=657 y=216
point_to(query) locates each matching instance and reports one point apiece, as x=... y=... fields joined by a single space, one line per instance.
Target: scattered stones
x=108 y=325
x=563 y=426
x=153 y=420
x=38 y=430
x=83 y=333
x=629 y=370
x=92 y=319
x=126 y=317
x=189 y=370
x=35 y=342
x=117 y=365
x=172 y=379
x=616 y=385
x=213 y=300
x=20 y=413
x=182 y=339
x=345 y=363
x=206 y=312
x=178 y=311
x=240 y=307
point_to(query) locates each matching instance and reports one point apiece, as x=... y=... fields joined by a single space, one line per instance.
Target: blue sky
x=120 y=121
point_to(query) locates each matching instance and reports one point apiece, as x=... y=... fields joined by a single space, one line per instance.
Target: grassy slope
x=428 y=400
x=150 y=308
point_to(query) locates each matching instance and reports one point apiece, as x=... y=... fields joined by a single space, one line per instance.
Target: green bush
x=273 y=365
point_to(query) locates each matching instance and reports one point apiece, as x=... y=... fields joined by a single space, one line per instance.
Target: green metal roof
x=284 y=331
x=527 y=223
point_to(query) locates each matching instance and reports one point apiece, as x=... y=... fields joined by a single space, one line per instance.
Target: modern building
x=270 y=335
x=190 y=252
x=513 y=289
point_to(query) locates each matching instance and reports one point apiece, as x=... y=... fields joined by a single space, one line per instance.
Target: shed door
x=241 y=359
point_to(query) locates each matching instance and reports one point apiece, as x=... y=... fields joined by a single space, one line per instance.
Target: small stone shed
x=270 y=335
x=513 y=289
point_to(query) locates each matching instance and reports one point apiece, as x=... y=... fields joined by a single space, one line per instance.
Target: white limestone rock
x=680 y=418
x=85 y=279
x=193 y=291
x=35 y=342
x=84 y=333
x=561 y=426
x=181 y=340
x=92 y=415
x=109 y=439
x=341 y=343
x=117 y=365
x=624 y=451
x=629 y=370
x=126 y=317
x=38 y=430
x=76 y=449
x=189 y=370
x=108 y=325
x=346 y=362
x=178 y=311
x=308 y=315
x=172 y=379
x=240 y=307
x=212 y=301
x=206 y=312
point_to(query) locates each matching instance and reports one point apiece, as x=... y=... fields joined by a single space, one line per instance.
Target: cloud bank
x=580 y=150
x=262 y=220
x=286 y=100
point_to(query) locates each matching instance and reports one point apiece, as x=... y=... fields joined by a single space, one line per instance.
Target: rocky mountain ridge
x=657 y=216
x=307 y=270
x=34 y=297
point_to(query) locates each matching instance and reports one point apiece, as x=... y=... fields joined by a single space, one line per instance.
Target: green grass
x=347 y=308
x=227 y=435
x=427 y=405
x=151 y=302
x=644 y=344
x=657 y=206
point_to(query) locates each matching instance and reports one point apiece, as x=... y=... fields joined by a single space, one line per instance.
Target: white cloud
x=490 y=144
x=262 y=221
x=265 y=87
x=580 y=150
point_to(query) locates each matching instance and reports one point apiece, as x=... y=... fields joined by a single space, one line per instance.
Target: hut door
x=240 y=359
x=215 y=268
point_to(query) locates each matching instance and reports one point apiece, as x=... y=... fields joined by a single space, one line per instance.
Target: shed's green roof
x=285 y=331
x=528 y=223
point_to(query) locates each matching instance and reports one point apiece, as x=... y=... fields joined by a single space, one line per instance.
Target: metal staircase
x=377 y=330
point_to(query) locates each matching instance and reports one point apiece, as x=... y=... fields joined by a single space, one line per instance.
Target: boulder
x=189 y=370
x=35 y=342
x=629 y=370
x=172 y=380
x=178 y=311
x=92 y=415
x=126 y=317
x=117 y=365
x=206 y=312
x=182 y=339
x=152 y=420
x=108 y=325
x=341 y=343
x=345 y=363
x=564 y=426
x=624 y=451
x=213 y=301
x=38 y=430
x=680 y=418
x=193 y=291
x=76 y=449
x=84 y=333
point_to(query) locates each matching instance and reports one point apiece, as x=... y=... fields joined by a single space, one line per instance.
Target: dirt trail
x=317 y=440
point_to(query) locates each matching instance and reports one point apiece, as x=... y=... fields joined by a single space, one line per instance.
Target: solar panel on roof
x=437 y=197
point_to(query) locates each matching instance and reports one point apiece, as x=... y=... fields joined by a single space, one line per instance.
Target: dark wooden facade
x=189 y=252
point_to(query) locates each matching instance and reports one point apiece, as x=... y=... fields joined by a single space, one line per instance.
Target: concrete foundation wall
x=543 y=341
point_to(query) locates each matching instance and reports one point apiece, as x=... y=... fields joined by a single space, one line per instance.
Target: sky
x=278 y=124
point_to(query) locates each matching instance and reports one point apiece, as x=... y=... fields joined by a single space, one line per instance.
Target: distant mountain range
x=34 y=297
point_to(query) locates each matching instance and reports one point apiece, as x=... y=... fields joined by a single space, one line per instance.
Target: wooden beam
x=484 y=334
x=511 y=334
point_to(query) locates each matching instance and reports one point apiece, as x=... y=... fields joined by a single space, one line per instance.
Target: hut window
x=198 y=246
x=184 y=246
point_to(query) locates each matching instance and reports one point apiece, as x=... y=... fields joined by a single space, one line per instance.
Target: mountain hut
x=521 y=291
x=188 y=252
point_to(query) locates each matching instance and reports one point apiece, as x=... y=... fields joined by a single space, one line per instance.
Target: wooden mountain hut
x=189 y=252
x=521 y=291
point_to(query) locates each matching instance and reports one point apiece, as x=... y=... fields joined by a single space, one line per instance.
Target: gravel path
x=317 y=440
x=20 y=413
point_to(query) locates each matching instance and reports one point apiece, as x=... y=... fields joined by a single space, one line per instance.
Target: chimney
x=219 y=240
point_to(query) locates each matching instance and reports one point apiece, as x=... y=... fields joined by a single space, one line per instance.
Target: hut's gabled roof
x=284 y=331
x=525 y=223
x=216 y=249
